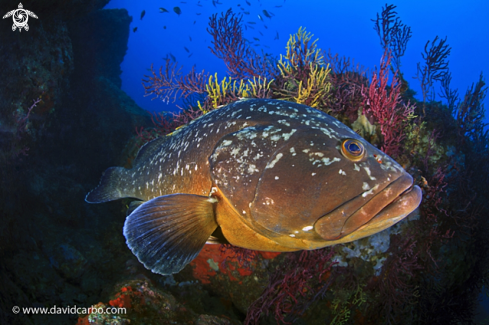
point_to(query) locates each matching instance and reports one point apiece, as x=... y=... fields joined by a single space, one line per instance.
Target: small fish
x=186 y=49
x=173 y=57
x=195 y=21
x=177 y=10
x=259 y=17
x=142 y=14
x=246 y=12
x=256 y=38
x=190 y=38
x=276 y=36
x=251 y=22
x=266 y=14
x=162 y=10
x=279 y=6
x=164 y=27
x=198 y=13
x=190 y=55
x=248 y=3
x=134 y=29
x=261 y=174
x=260 y=33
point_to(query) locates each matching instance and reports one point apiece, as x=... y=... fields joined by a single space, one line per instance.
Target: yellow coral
x=220 y=92
x=217 y=90
x=259 y=88
x=317 y=86
x=300 y=53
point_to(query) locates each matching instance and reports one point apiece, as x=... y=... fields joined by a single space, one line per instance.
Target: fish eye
x=352 y=149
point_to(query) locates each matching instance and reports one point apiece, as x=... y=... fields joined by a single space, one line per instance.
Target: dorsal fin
x=149 y=149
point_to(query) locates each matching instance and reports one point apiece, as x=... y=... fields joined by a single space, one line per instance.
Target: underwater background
x=82 y=90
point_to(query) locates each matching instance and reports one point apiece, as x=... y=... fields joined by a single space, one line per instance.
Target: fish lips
x=356 y=218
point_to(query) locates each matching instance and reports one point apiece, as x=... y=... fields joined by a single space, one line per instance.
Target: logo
x=20 y=17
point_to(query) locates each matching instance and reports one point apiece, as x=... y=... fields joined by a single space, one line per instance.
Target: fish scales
x=272 y=175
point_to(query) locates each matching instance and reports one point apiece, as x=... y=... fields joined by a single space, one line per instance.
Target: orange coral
x=213 y=258
x=126 y=297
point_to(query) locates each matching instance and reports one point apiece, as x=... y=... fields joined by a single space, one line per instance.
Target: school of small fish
x=249 y=24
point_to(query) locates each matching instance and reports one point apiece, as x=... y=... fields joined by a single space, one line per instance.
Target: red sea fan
x=230 y=46
x=295 y=284
x=168 y=84
x=384 y=104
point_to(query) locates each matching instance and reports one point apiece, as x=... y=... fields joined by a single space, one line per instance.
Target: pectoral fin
x=168 y=232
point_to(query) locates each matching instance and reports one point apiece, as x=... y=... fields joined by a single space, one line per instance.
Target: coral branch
x=470 y=113
x=393 y=34
x=230 y=46
x=386 y=107
x=347 y=80
x=450 y=95
x=435 y=68
x=169 y=85
x=294 y=285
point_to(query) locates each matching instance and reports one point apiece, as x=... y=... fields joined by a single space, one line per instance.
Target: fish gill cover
x=408 y=273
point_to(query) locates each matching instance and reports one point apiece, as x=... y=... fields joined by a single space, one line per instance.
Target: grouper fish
x=260 y=174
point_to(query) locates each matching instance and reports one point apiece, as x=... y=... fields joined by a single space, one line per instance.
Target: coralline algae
x=373 y=248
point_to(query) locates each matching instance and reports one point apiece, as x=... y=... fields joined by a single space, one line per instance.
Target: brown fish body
x=271 y=175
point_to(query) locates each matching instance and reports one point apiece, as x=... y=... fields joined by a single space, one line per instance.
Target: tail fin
x=114 y=185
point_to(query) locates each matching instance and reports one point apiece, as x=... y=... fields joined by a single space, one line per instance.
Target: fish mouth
x=360 y=217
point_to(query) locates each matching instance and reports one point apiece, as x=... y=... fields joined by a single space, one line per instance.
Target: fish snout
x=366 y=215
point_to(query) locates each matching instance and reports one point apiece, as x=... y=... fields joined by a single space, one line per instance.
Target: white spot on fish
x=276 y=177
x=252 y=169
x=365 y=186
x=275 y=137
x=313 y=174
x=226 y=143
x=356 y=167
x=286 y=136
x=341 y=172
x=371 y=191
x=307 y=228
x=274 y=161
x=235 y=152
x=268 y=201
x=368 y=173
x=327 y=161
x=292 y=235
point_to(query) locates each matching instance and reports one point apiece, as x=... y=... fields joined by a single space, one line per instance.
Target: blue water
x=344 y=27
